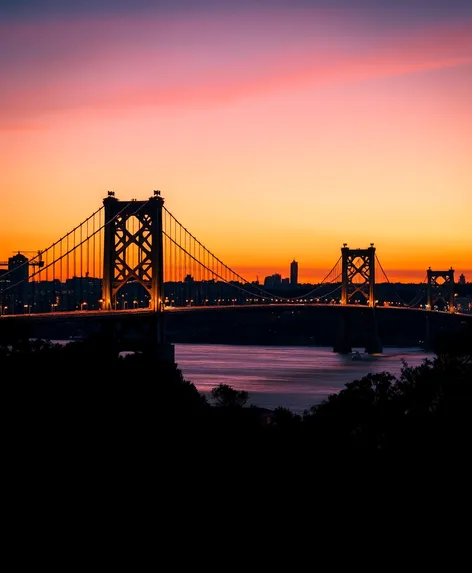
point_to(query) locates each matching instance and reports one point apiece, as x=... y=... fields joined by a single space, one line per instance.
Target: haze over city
x=274 y=130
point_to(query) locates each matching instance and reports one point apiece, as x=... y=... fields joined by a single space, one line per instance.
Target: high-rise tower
x=294 y=273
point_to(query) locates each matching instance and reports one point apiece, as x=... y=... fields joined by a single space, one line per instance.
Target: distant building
x=463 y=304
x=80 y=293
x=273 y=281
x=294 y=273
x=462 y=280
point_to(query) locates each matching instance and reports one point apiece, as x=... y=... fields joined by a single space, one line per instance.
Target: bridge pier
x=135 y=333
x=343 y=343
x=165 y=352
x=426 y=343
x=373 y=342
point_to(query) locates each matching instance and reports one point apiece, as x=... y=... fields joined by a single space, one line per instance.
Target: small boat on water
x=356 y=355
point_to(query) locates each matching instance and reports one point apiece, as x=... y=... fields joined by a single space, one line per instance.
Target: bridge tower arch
x=358 y=274
x=133 y=252
x=440 y=288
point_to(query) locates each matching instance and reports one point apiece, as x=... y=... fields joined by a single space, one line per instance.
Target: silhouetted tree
x=456 y=346
x=225 y=396
x=84 y=397
x=285 y=418
x=63 y=390
x=423 y=413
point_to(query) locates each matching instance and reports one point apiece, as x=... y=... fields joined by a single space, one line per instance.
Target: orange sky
x=272 y=135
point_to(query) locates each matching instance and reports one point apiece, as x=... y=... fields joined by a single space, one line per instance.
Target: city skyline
x=287 y=128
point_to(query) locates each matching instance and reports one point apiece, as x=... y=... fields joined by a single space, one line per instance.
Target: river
x=295 y=377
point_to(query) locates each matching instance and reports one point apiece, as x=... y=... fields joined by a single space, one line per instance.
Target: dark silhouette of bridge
x=140 y=245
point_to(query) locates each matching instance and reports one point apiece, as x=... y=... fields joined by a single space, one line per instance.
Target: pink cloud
x=121 y=66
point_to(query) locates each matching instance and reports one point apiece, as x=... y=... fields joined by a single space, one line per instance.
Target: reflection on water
x=293 y=377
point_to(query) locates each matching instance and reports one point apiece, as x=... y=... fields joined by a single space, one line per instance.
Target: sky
x=274 y=130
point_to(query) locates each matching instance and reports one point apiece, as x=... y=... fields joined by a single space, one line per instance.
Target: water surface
x=293 y=377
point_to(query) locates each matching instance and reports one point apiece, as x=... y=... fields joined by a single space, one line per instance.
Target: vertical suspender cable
x=81 y=257
x=100 y=242
x=185 y=255
x=172 y=252
x=88 y=251
x=94 y=270
x=63 y=279
x=54 y=275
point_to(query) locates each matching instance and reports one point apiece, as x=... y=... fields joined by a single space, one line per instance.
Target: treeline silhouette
x=81 y=407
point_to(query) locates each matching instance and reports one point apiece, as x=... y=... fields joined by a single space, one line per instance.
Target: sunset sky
x=274 y=130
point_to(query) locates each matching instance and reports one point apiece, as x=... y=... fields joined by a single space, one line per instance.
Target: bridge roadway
x=268 y=306
x=301 y=324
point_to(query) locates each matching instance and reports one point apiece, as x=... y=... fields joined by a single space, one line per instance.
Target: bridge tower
x=358 y=276
x=133 y=250
x=440 y=291
x=146 y=264
x=358 y=273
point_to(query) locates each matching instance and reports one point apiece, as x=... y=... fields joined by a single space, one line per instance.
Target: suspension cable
x=333 y=291
x=322 y=283
x=75 y=245
x=44 y=251
x=245 y=281
x=413 y=301
x=216 y=274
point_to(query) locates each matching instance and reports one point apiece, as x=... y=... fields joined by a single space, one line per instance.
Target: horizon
x=275 y=131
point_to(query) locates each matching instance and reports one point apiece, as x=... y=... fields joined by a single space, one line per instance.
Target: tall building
x=294 y=273
x=274 y=281
x=462 y=280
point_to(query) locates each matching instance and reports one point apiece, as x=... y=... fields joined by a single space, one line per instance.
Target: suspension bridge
x=132 y=262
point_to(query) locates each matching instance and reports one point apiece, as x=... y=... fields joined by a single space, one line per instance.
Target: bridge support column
x=165 y=352
x=136 y=333
x=427 y=333
x=373 y=342
x=343 y=343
